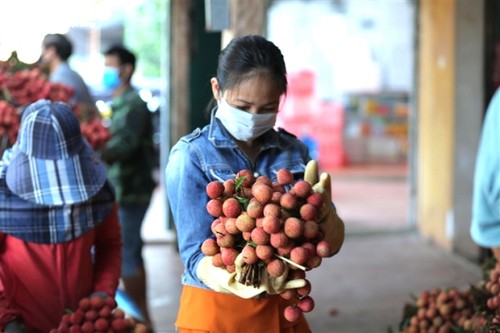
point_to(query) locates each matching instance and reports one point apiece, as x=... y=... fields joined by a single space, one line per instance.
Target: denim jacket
x=209 y=154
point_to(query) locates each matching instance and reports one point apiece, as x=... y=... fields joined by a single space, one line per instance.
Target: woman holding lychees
x=245 y=250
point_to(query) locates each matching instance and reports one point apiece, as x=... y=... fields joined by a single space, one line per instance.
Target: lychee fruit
x=96 y=302
x=289 y=294
x=306 y=304
x=258 y=222
x=226 y=241
x=324 y=249
x=259 y=236
x=217 y=260
x=264 y=252
x=299 y=255
x=231 y=207
x=305 y=290
x=272 y=209
x=292 y=313
x=249 y=254
x=105 y=311
x=296 y=274
x=244 y=222
x=119 y=324
x=276 y=197
x=255 y=209
x=315 y=199
x=279 y=188
x=84 y=304
x=249 y=178
x=91 y=315
x=101 y=324
x=229 y=188
x=308 y=212
x=218 y=228
x=311 y=229
x=209 y=247
x=293 y=227
x=313 y=262
x=278 y=239
x=276 y=267
x=228 y=255
x=284 y=177
x=288 y=201
x=262 y=192
x=302 y=189
x=246 y=235
x=88 y=327
x=310 y=247
x=271 y=224
x=265 y=180
x=214 y=189
x=214 y=207
x=285 y=250
x=230 y=226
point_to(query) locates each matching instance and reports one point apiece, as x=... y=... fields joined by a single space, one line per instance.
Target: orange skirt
x=206 y=311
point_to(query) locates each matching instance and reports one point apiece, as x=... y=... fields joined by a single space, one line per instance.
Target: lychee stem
x=290 y=262
x=250 y=275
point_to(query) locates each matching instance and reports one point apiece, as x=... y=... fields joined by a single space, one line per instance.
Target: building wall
x=468 y=117
x=449 y=107
x=436 y=118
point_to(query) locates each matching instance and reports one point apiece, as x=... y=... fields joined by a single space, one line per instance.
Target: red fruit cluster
x=492 y=286
x=302 y=300
x=20 y=87
x=29 y=85
x=443 y=311
x=96 y=314
x=95 y=132
x=9 y=124
x=266 y=221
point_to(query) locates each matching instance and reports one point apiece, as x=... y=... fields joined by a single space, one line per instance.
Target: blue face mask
x=111 y=77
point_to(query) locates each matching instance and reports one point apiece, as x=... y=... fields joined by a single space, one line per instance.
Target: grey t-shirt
x=65 y=75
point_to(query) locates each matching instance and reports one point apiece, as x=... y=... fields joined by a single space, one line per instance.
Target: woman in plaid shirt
x=60 y=238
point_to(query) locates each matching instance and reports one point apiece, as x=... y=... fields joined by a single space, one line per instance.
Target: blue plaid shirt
x=50 y=224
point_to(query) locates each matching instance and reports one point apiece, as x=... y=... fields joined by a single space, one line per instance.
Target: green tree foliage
x=145 y=29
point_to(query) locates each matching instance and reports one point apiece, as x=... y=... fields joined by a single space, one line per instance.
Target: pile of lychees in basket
x=272 y=224
x=97 y=314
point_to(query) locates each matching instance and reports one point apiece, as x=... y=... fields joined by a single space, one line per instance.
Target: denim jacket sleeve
x=485 y=225
x=185 y=185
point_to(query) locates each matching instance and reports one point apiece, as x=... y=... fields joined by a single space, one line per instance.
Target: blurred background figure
x=485 y=224
x=56 y=50
x=130 y=156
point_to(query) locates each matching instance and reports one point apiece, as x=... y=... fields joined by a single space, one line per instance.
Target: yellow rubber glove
x=328 y=219
x=220 y=280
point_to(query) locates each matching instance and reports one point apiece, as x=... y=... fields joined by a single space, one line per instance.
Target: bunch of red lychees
x=272 y=224
x=97 y=314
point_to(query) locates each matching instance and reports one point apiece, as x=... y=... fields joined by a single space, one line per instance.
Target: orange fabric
x=207 y=311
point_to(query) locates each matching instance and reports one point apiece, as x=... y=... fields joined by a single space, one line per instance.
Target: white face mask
x=243 y=125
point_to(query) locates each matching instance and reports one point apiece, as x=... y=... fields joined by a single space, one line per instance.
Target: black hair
x=61 y=43
x=247 y=55
x=125 y=56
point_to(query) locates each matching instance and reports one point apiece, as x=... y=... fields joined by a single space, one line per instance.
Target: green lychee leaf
x=239 y=181
x=243 y=201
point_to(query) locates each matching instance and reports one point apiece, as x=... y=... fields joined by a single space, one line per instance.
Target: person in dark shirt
x=129 y=154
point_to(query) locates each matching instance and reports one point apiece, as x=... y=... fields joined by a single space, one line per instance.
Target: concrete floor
x=361 y=290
